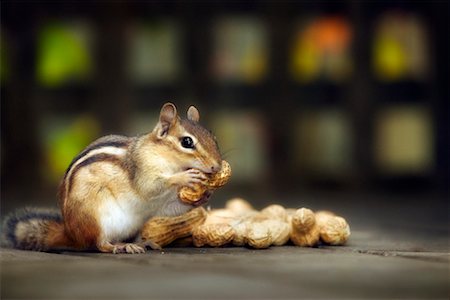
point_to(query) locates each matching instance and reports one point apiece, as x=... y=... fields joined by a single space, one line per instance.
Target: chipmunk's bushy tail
x=35 y=229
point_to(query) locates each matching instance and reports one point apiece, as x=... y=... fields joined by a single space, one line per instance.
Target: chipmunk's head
x=189 y=144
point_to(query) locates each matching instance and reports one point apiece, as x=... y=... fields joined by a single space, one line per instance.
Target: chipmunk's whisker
x=225 y=153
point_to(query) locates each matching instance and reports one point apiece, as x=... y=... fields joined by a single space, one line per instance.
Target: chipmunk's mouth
x=208 y=172
x=205 y=167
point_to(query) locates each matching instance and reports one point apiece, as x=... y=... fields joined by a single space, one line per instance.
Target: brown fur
x=37 y=229
x=91 y=160
x=82 y=228
x=90 y=182
x=56 y=236
x=205 y=137
x=124 y=179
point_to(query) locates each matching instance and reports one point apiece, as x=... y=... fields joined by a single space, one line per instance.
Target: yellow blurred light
x=390 y=59
x=400 y=48
x=404 y=140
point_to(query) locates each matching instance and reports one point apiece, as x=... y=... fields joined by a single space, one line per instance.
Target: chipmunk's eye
x=187 y=142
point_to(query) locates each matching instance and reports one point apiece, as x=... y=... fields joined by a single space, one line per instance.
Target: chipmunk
x=117 y=183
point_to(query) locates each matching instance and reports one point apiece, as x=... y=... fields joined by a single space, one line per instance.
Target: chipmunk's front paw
x=189 y=178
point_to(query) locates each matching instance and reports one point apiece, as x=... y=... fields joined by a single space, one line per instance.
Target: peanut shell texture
x=275 y=211
x=334 y=230
x=221 y=215
x=322 y=216
x=164 y=230
x=240 y=229
x=259 y=236
x=213 y=235
x=191 y=195
x=239 y=206
x=304 y=231
x=278 y=230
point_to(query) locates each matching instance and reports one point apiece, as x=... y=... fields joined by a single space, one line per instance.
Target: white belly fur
x=121 y=218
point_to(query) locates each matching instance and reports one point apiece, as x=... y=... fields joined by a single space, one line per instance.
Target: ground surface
x=401 y=256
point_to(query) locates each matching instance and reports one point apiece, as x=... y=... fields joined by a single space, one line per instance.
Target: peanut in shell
x=164 y=230
x=213 y=235
x=191 y=195
x=304 y=231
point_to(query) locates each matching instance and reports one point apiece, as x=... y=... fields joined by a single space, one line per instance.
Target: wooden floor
x=395 y=258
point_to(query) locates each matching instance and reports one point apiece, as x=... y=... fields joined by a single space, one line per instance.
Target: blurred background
x=333 y=104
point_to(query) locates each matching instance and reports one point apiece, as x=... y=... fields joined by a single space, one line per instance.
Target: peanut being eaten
x=191 y=195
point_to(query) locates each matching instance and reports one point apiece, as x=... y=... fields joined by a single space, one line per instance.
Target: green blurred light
x=3 y=61
x=63 y=54
x=64 y=140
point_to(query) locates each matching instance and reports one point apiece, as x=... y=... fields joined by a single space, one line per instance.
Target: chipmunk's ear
x=193 y=114
x=167 y=118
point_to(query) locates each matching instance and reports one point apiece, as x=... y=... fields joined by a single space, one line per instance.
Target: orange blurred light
x=330 y=34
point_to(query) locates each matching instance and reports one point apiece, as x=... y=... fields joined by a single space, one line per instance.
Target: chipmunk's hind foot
x=119 y=248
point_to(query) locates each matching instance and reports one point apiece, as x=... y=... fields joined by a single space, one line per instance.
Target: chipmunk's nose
x=216 y=168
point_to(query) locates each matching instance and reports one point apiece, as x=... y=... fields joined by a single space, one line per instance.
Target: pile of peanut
x=239 y=224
